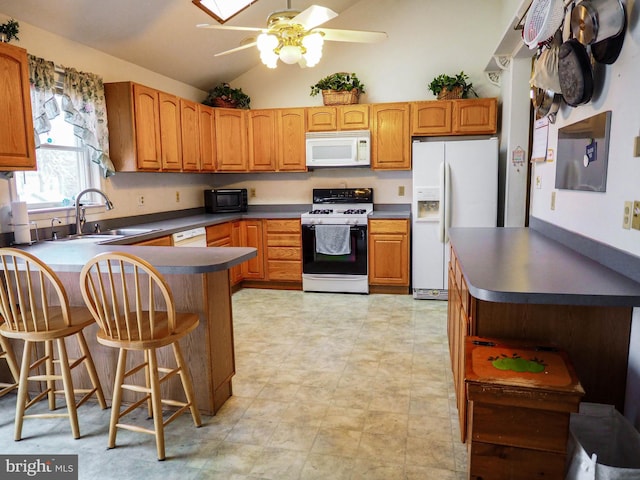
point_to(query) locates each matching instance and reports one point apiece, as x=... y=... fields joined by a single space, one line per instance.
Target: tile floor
x=328 y=386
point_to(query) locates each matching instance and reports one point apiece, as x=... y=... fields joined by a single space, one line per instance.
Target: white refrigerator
x=455 y=184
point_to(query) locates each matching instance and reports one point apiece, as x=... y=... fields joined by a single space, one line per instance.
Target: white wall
x=425 y=39
x=592 y=214
x=599 y=215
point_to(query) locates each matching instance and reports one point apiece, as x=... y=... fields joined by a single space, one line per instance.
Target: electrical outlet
x=252 y=192
x=538 y=182
x=141 y=200
x=553 y=200
x=635 y=215
x=627 y=215
x=177 y=196
x=401 y=191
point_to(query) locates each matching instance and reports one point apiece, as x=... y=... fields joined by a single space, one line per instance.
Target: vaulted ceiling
x=159 y=35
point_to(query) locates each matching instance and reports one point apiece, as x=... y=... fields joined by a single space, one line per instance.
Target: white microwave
x=339 y=149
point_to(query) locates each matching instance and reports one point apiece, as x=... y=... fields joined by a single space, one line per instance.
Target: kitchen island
x=515 y=283
x=199 y=280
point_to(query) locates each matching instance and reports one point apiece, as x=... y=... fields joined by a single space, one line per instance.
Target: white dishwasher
x=196 y=237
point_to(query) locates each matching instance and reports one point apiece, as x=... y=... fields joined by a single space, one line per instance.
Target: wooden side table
x=520 y=400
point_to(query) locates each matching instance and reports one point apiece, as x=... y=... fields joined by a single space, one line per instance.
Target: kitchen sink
x=114 y=233
x=125 y=232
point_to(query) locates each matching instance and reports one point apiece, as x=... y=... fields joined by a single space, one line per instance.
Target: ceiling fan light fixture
x=290 y=54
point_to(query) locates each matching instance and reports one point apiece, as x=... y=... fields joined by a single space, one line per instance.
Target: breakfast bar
x=516 y=283
x=199 y=280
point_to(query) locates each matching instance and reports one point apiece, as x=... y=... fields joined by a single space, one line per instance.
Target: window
x=63 y=170
x=223 y=10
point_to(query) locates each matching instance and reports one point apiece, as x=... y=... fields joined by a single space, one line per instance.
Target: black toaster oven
x=225 y=200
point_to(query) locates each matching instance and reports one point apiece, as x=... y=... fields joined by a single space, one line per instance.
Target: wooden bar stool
x=6 y=352
x=134 y=307
x=34 y=305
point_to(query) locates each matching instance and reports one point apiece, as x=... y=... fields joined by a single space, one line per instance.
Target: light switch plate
x=553 y=200
x=635 y=217
x=627 y=215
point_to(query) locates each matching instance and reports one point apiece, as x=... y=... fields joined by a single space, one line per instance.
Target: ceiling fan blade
x=234 y=50
x=314 y=16
x=358 y=36
x=229 y=27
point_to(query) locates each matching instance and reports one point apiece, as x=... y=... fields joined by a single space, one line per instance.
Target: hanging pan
x=575 y=73
x=607 y=50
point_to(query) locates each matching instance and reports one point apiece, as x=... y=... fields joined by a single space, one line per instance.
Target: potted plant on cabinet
x=9 y=30
x=224 y=96
x=339 y=89
x=447 y=87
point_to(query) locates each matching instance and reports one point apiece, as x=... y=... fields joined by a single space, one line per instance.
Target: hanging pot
x=607 y=51
x=595 y=20
x=575 y=73
x=546 y=103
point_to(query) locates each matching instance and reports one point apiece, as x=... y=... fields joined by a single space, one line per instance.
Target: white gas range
x=334 y=241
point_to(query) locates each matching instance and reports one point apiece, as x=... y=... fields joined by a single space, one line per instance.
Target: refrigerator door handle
x=441 y=208
x=448 y=206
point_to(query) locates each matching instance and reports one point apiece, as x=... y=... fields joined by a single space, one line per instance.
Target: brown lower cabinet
x=279 y=259
x=165 y=241
x=389 y=254
x=600 y=366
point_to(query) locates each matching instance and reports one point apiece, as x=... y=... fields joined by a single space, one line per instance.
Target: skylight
x=223 y=10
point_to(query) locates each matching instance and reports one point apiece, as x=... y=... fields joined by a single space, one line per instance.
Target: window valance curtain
x=42 y=75
x=85 y=108
x=83 y=104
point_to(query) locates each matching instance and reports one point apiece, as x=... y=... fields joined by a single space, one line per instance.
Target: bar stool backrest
x=128 y=297
x=31 y=294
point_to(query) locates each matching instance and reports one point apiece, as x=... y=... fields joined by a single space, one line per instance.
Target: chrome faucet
x=80 y=213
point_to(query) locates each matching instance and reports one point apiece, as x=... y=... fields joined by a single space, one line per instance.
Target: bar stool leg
x=156 y=400
x=9 y=356
x=147 y=382
x=91 y=369
x=67 y=381
x=23 y=388
x=186 y=384
x=117 y=397
x=50 y=371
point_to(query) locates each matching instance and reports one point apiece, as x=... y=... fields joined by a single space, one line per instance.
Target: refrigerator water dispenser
x=428 y=203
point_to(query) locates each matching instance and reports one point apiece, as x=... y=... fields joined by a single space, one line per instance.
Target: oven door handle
x=362 y=228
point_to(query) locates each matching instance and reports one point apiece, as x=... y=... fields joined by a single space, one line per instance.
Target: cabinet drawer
x=498 y=462
x=284 y=240
x=388 y=226
x=285 y=270
x=514 y=426
x=284 y=253
x=283 y=226
x=217 y=232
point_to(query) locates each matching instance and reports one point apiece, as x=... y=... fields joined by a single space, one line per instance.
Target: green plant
x=10 y=29
x=338 y=81
x=226 y=93
x=449 y=82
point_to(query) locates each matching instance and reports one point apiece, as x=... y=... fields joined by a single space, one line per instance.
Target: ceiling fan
x=294 y=37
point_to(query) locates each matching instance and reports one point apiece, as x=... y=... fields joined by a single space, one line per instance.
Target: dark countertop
x=520 y=265
x=71 y=255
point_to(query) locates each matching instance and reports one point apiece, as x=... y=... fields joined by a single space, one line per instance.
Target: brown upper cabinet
x=231 y=140
x=134 y=127
x=340 y=117
x=390 y=136
x=170 y=138
x=476 y=116
x=291 y=141
x=262 y=140
x=17 y=145
x=190 y=136
x=206 y=121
